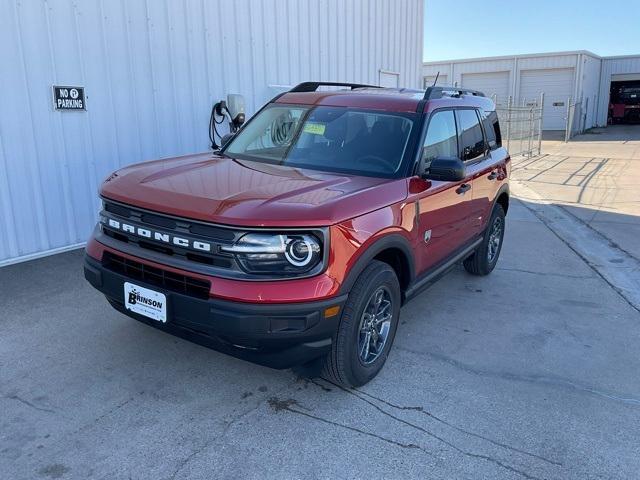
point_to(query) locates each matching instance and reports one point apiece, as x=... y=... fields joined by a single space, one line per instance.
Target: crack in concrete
x=286 y=405
x=539 y=379
x=185 y=461
x=114 y=409
x=102 y=416
x=28 y=403
x=562 y=275
x=459 y=429
x=182 y=463
x=446 y=442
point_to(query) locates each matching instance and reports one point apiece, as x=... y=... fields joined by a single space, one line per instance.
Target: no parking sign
x=68 y=98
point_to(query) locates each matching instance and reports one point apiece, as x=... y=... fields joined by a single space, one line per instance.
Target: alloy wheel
x=375 y=325
x=495 y=237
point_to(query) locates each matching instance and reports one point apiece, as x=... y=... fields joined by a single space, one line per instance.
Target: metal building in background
x=137 y=78
x=576 y=85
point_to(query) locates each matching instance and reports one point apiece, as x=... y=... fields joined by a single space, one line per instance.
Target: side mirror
x=447 y=169
x=235 y=107
x=226 y=139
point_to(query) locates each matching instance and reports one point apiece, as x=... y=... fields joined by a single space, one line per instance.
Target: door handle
x=493 y=175
x=462 y=189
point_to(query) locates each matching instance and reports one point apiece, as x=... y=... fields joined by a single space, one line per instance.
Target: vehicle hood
x=239 y=192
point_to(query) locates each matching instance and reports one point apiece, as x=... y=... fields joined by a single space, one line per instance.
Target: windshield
x=334 y=139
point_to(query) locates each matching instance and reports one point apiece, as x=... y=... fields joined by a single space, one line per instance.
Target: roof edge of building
x=522 y=55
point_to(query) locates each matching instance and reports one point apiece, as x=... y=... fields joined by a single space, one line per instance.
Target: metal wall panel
x=507 y=65
x=152 y=69
x=590 y=88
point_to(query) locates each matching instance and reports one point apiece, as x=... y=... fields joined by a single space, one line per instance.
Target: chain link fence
x=521 y=122
x=521 y=125
x=576 y=117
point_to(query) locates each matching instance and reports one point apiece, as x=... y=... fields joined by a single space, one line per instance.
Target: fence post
x=521 y=125
x=541 y=107
x=509 y=121
x=567 y=129
x=531 y=123
x=585 y=114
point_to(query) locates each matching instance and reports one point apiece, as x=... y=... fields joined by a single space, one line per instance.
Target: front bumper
x=274 y=335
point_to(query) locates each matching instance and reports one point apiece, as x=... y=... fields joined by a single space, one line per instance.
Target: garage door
x=491 y=83
x=557 y=85
x=429 y=79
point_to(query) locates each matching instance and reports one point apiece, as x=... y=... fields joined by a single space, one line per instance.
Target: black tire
x=343 y=365
x=481 y=262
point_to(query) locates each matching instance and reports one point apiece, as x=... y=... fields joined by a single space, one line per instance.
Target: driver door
x=443 y=208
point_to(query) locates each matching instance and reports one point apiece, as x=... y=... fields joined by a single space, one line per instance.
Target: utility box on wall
x=136 y=80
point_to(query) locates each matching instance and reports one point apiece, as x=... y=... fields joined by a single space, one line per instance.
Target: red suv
x=305 y=233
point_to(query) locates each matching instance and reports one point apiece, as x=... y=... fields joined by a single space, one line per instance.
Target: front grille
x=134 y=270
x=181 y=227
x=132 y=213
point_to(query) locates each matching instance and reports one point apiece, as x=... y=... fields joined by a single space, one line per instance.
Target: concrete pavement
x=531 y=372
x=594 y=177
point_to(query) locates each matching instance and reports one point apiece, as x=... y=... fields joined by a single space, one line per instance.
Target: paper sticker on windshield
x=314 y=128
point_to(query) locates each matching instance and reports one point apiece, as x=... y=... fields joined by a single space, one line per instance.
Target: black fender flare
x=391 y=240
x=503 y=189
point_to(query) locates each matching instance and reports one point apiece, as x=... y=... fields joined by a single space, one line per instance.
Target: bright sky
x=473 y=28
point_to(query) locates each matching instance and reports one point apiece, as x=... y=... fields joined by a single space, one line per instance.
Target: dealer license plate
x=145 y=302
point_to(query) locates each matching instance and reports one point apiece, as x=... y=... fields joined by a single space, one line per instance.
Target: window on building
x=472 y=144
x=441 y=140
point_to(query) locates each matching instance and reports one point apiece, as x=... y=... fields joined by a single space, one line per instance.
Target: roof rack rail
x=438 y=92
x=313 y=86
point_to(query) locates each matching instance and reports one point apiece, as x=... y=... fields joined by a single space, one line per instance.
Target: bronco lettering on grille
x=158 y=236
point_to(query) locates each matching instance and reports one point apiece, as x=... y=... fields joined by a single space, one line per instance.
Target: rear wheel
x=484 y=259
x=367 y=328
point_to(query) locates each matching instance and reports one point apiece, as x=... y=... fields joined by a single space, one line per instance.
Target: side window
x=441 y=139
x=491 y=129
x=472 y=144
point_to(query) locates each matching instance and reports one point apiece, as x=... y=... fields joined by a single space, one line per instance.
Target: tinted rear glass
x=492 y=129
x=471 y=138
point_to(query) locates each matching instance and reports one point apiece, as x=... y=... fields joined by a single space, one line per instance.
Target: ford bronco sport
x=305 y=233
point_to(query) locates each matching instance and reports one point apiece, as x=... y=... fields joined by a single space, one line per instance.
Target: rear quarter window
x=491 y=129
x=472 y=146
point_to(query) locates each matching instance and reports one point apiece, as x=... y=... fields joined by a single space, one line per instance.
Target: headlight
x=264 y=253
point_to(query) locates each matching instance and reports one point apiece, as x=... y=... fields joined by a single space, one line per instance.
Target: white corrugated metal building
x=579 y=75
x=151 y=72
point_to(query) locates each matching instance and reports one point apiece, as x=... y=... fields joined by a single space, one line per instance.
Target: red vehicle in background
x=305 y=233
x=624 y=106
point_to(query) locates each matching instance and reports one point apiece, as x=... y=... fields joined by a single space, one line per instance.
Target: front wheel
x=367 y=328
x=484 y=259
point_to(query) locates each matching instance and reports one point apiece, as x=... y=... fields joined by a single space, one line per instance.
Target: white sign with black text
x=145 y=302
